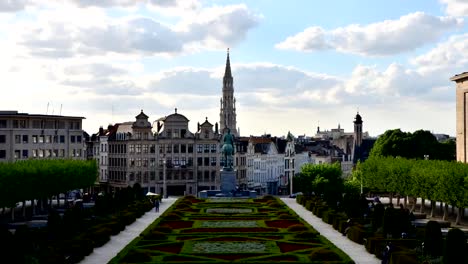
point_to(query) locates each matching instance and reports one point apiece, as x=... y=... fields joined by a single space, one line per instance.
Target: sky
x=296 y=64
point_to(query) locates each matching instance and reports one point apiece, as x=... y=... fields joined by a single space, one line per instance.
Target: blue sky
x=295 y=63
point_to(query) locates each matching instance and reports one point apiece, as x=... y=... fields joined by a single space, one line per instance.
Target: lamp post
x=164 y=177
x=291 y=175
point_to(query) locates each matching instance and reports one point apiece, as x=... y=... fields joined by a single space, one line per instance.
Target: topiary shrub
x=324 y=254
x=137 y=256
x=155 y=235
x=455 y=249
x=433 y=239
x=306 y=235
x=356 y=233
x=127 y=218
x=269 y=197
x=297 y=228
x=172 y=216
x=163 y=229
x=285 y=216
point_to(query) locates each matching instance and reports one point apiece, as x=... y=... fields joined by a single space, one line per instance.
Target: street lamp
x=164 y=177
x=291 y=175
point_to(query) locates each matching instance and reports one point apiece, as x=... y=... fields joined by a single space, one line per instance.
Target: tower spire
x=227 y=72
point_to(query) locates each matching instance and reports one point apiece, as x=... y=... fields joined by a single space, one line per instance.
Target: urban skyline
x=294 y=66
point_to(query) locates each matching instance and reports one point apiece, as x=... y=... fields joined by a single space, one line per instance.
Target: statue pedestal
x=228 y=182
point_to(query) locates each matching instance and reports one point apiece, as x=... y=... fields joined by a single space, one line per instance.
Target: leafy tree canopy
x=415 y=145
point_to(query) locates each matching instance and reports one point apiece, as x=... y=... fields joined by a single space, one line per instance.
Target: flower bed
x=259 y=231
x=228 y=224
x=228 y=210
x=229 y=247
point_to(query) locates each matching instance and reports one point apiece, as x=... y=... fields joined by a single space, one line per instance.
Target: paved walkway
x=354 y=250
x=105 y=253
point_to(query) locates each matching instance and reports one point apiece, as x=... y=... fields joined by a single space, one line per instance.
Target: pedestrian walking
x=156 y=205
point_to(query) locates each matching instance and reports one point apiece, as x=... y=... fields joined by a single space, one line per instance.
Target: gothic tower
x=227 y=113
x=357 y=138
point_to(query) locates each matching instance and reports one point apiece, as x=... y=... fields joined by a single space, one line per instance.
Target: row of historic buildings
x=165 y=153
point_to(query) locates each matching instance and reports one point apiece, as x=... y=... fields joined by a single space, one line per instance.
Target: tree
x=324 y=180
x=415 y=145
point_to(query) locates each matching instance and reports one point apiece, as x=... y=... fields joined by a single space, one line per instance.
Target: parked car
x=294 y=195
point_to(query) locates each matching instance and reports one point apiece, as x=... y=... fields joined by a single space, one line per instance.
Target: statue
x=228 y=150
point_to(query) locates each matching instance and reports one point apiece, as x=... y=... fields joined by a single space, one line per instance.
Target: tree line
x=35 y=179
x=435 y=180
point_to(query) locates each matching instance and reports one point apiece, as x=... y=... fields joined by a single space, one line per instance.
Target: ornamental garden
x=230 y=230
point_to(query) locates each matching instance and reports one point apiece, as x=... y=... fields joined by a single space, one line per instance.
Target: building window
x=190 y=162
x=17 y=139
x=138 y=148
x=2 y=152
x=19 y=123
x=213 y=176
x=206 y=161
x=62 y=139
x=152 y=175
x=138 y=162
x=34 y=153
x=152 y=162
x=199 y=161
x=145 y=162
x=55 y=153
x=183 y=148
x=132 y=148
x=207 y=148
x=132 y=176
x=17 y=154
x=183 y=161
x=145 y=148
x=62 y=153
x=190 y=148
x=213 y=161
x=72 y=139
x=78 y=153
x=169 y=148
x=132 y=162
x=47 y=153
x=168 y=133
x=214 y=148
x=48 y=139
x=3 y=124
x=2 y=139
x=40 y=153
x=161 y=148
x=199 y=148
x=25 y=139
x=78 y=139
x=153 y=149
x=176 y=148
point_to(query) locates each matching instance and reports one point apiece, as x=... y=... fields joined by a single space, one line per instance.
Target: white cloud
x=13 y=5
x=456 y=7
x=378 y=39
x=451 y=54
x=56 y=35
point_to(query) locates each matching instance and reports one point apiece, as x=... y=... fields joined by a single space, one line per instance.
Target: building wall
x=24 y=136
x=462 y=116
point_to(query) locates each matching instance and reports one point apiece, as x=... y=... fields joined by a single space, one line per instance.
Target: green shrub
x=433 y=239
x=100 y=235
x=137 y=256
x=172 y=216
x=456 y=248
x=297 y=228
x=285 y=216
x=155 y=235
x=356 y=233
x=163 y=229
x=127 y=217
x=324 y=254
x=404 y=257
x=306 y=235
x=269 y=197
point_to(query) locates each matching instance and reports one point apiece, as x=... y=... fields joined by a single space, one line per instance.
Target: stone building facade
x=461 y=81
x=25 y=136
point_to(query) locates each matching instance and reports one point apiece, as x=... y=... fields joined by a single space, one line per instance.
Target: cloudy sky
x=296 y=64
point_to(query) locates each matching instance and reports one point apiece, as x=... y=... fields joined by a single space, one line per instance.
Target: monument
x=228 y=175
